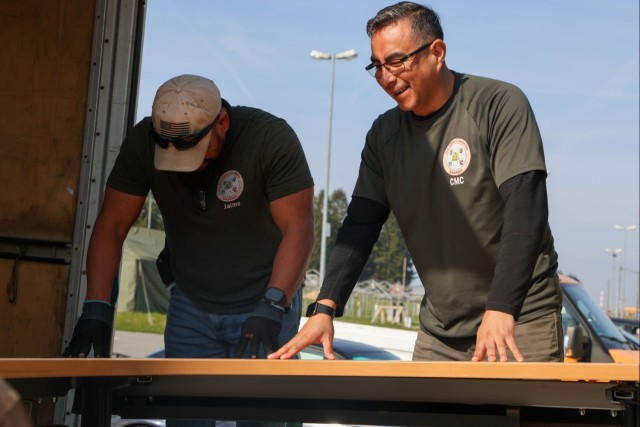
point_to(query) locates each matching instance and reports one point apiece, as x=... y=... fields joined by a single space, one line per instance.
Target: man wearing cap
x=236 y=197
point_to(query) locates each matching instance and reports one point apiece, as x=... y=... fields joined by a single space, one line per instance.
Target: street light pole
x=614 y=253
x=348 y=54
x=622 y=264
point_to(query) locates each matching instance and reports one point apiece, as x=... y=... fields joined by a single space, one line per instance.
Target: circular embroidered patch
x=457 y=157
x=230 y=186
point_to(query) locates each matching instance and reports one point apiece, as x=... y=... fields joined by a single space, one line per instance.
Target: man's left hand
x=495 y=335
x=261 y=329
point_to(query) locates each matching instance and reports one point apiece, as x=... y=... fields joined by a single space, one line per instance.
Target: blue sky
x=576 y=60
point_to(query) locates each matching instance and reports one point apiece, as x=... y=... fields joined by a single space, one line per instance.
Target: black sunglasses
x=184 y=142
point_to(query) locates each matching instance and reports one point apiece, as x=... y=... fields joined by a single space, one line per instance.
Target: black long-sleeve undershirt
x=359 y=232
x=526 y=214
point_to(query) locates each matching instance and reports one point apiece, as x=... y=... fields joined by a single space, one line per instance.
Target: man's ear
x=439 y=50
x=223 y=120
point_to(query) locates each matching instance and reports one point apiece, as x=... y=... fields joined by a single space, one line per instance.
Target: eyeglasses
x=184 y=142
x=395 y=66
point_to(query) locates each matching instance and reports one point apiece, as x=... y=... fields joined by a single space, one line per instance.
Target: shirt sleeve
x=526 y=215
x=283 y=161
x=370 y=183
x=515 y=142
x=131 y=170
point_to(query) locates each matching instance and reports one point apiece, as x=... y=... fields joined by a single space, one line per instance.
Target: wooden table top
x=59 y=367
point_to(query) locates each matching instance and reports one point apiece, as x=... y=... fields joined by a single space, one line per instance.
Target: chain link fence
x=378 y=302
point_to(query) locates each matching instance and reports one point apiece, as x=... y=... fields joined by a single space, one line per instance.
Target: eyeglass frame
x=184 y=142
x=373 y=69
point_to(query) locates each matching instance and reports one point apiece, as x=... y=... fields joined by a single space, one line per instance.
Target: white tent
x=140 y=286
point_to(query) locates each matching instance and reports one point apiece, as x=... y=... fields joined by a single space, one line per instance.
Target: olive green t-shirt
x=440 y=175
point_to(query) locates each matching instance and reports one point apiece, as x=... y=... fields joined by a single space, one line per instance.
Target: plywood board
x=46 y=50
x=32 y=325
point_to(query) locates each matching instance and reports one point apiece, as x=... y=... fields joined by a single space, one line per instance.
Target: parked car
x=348 y=350
x=343 y=350
x=630 y=330
x=116 y=421
x=589 y=334
x=629 y=325
x=634 y=339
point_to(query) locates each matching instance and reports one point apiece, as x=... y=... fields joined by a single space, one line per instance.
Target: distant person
x=236 y=197
x=460 y=163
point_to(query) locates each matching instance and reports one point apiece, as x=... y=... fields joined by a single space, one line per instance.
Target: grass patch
x=141 y=322
x=154 y=322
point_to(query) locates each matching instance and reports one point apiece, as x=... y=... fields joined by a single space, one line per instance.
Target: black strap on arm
x=359 y=232
x=526 y=213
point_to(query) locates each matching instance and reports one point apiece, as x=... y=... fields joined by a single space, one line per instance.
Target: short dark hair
x=425 y=22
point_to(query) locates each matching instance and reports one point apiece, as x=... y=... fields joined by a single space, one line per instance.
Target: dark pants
x=193 y=333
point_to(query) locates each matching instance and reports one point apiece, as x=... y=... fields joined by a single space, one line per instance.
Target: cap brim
x=170 y=159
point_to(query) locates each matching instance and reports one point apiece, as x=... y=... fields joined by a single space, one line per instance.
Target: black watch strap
x=276 y=298
x=315 y=308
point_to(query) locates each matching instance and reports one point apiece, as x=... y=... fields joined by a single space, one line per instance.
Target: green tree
x=338 y=205
x=314 y=261
x=388 y=254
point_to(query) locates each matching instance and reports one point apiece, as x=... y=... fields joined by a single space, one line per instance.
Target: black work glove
x=261 y=328
x=93 y=328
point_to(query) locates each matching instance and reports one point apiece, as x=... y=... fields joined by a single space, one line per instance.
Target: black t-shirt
x=221 y=257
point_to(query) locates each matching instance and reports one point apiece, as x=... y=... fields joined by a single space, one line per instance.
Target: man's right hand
x=92 y=330
x=317 y=330
x=495 y=336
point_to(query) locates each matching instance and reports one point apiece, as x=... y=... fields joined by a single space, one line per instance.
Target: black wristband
x=316 y=307
x=269 y=311
x=97 y=310
x=277 y=298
